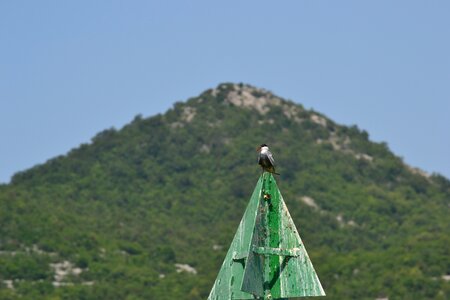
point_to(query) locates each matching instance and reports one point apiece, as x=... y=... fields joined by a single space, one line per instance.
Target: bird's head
x=261 y=147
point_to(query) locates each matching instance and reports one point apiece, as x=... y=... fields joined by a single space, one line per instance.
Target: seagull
x=265 y=159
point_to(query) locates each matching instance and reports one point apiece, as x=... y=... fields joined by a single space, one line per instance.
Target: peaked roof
x=267 y=257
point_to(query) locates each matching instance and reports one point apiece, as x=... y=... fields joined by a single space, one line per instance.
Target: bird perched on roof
x=265 y=159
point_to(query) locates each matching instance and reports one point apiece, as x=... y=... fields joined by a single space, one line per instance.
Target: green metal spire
x=267 y=258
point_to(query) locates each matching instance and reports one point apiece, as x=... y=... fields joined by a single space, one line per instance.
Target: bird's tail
x=270 y=169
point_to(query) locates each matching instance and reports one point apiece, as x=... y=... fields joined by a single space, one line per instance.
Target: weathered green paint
x=272 y=208
x=267 y=258
x=229 y=281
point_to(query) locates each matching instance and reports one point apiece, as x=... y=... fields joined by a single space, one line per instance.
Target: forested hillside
x=148 y=211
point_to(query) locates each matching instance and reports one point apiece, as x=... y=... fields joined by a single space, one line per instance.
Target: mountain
x=149 y=211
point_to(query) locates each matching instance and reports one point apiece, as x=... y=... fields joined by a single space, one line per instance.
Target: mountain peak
x=244 y=95
x=266 y=105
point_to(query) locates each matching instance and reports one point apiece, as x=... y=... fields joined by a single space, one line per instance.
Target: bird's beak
x=258 y=149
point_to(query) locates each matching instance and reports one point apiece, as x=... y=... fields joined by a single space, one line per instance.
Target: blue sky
x=69 y=69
